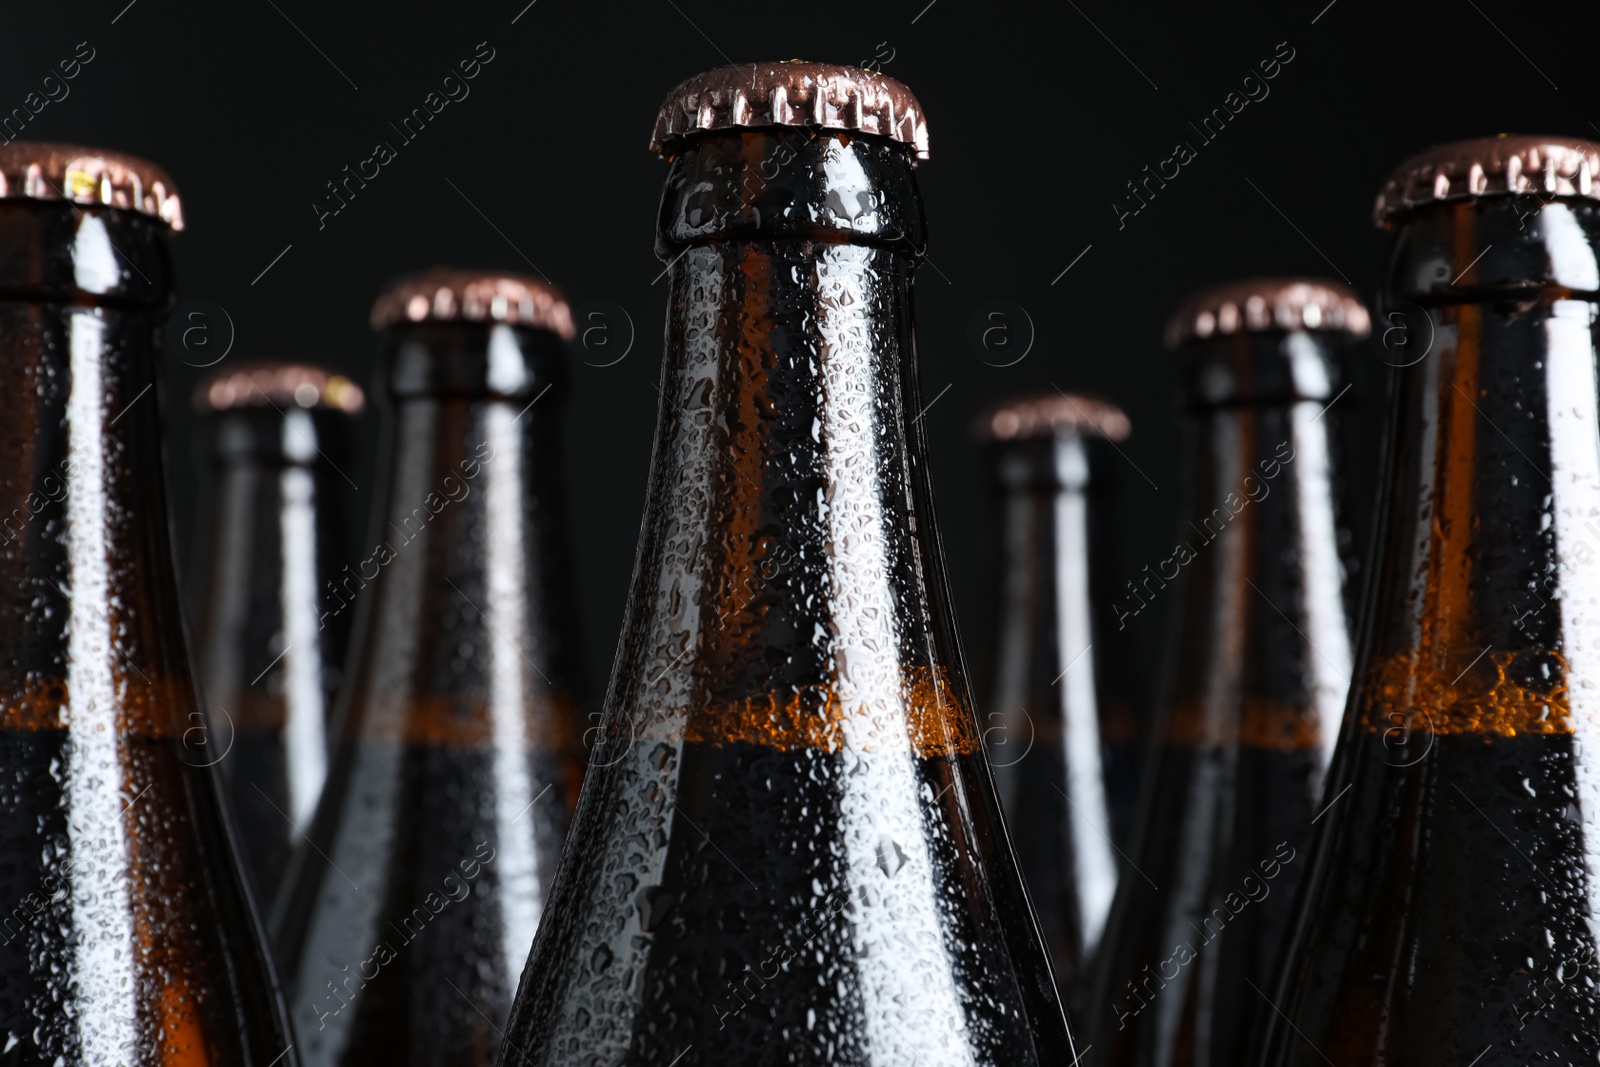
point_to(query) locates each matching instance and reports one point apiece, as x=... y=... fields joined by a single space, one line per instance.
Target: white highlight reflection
x=1570 y=391
x=1322 y=595
x=901 y=961
x=511 y=688
x=304 y=728
x=1096 y=874
x=102 y=963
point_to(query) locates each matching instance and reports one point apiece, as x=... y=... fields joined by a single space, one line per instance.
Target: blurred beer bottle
x=402 y=930
x=1260 y=668
x=1450 y=912
x=1041 y=724
x=789 y=846
x=128 y=937
x=1123 y=678
x=271 y=536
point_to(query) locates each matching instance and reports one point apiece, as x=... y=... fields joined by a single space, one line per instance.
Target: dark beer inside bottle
x=1261 y=661
x=404 y=929
x=1452 y=908
x=787 y=848
x=127 y=937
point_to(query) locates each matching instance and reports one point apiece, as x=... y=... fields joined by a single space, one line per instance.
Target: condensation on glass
x=1453 y=905
x=1255 y=681
x=789 y=847
x=409 y=912
x=127 y=936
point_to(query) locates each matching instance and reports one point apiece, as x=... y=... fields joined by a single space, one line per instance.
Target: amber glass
x=270 y=639
x=1451 y=909
x=1258 y=673
x=788 y=848
x=127 y=936
x=1122 y=654
x=1041 y=717
x=409 y=914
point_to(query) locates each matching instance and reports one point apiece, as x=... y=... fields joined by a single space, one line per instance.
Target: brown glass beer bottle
x=1259 y=671
x=407 y=919
x=1041 y=721
x=1450 y=911
x=269 y=653
x=127 y=936
x=789 y=848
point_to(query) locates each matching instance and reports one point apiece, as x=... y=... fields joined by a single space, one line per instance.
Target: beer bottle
x=1041 y=727
x=789 y=846
x=1123 y=679
x=127 y=937
x=407 y=918
x=272 y=533
x=1450 y=911
x=1259 y=669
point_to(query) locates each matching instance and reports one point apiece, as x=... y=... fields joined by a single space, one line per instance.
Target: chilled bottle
x=1123 y=680
x=410 y=910
x=1041 y=721
x=788 y=848
x=1260 y=664
x=128 y=937
x=270 y=651
x=1450 y=912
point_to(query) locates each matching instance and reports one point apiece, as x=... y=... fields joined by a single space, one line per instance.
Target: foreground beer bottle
x=405 y=924
x=1450 y=912
x=1041 y=724
x=788 y=847
x=127 y=936
x=269 y=652
x=1260 y=670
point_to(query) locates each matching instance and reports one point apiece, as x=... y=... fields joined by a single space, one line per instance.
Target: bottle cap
x=1263 y=304
x=795 y=93
x=280 y=385
x=1051 y=415
x=1491 y=166
x=32 y=170
x=447 y=295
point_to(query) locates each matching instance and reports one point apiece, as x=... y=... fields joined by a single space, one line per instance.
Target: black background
x=1038 y=116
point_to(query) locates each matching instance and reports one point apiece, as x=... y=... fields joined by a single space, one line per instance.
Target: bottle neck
x=57 y=253
x=783 y=594
x=277 y=435
x=469 y=553
x=1044 y=619
x=463 y=397
x=269 y=664
x=1044 y=695
x=1491 y=540
x=81 y=500
x=1264 y=654
x=1262 y=369
x=791 y=186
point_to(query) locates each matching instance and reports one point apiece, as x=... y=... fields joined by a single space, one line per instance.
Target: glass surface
x=127 y=935
x=271 y=640
x=1452 y=906
x=411 y=909
x=788 y=849
x=1041 y=721
x=1258 y=672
